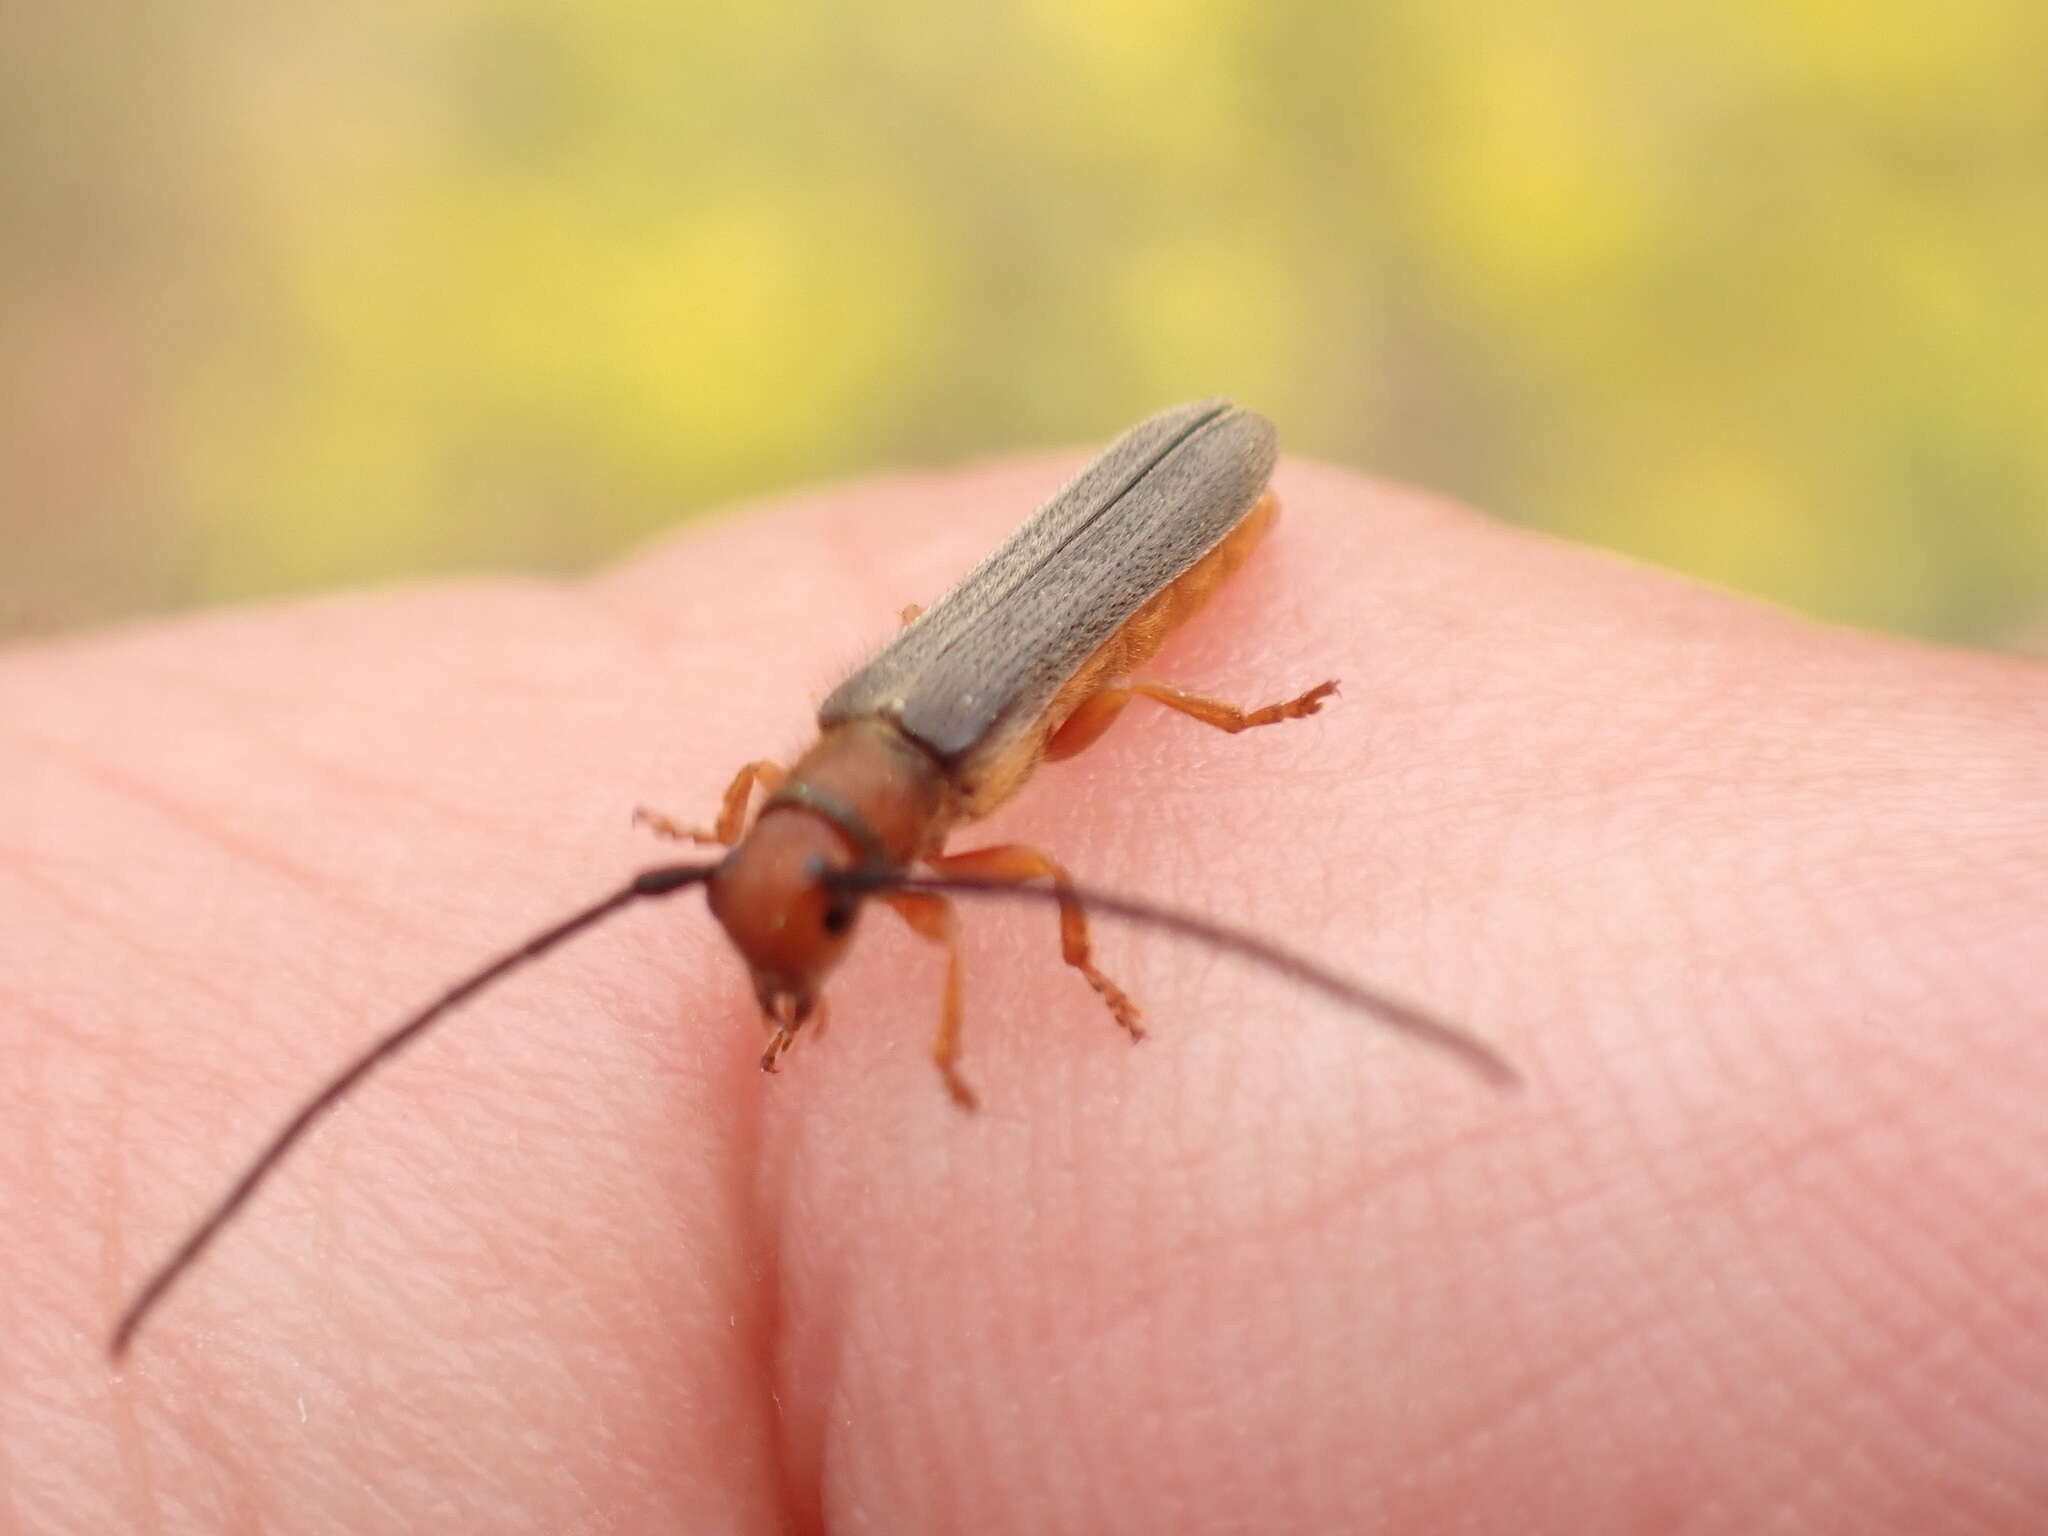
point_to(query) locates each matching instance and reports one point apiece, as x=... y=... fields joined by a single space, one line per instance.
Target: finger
x=1665 y=847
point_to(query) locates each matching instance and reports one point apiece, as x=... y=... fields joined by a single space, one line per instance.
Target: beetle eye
x=839 y=917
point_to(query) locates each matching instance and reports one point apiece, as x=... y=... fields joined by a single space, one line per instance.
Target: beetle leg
x=1084 y=727
x=931 y=917
x=732 y=811
x=1086 y=724
x=1013 y=863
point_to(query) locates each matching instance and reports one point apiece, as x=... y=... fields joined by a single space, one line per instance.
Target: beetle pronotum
x=1029 y=658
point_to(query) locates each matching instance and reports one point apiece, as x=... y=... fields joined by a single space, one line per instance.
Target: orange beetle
x=1028 y=658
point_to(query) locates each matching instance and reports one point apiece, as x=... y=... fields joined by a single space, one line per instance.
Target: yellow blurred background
x=298 y=296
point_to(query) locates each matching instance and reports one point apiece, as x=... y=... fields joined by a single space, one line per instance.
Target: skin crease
x=1756 y=905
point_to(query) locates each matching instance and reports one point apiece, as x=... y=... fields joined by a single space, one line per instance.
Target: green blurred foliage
x=296 y=297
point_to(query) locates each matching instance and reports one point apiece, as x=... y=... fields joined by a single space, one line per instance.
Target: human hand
x=1756 y=906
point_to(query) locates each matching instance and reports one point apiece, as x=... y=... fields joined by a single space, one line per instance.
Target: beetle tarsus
x=1121 y=1008
x=957 y=1089
x=673 y=830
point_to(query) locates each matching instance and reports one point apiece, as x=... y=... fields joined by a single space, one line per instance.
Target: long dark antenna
x=644 y=886
x=1473 y=1052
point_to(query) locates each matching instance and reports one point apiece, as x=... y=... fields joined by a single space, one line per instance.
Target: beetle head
x=790 y=927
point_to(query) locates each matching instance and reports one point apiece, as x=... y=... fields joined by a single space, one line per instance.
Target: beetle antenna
x=1468 y=1048
x=646 y=885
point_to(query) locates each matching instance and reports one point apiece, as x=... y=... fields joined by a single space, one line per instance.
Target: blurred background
x=299 y=296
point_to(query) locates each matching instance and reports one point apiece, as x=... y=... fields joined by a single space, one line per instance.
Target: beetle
x=1028 y=659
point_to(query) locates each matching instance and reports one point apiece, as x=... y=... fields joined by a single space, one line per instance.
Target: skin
x=1756 y=905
